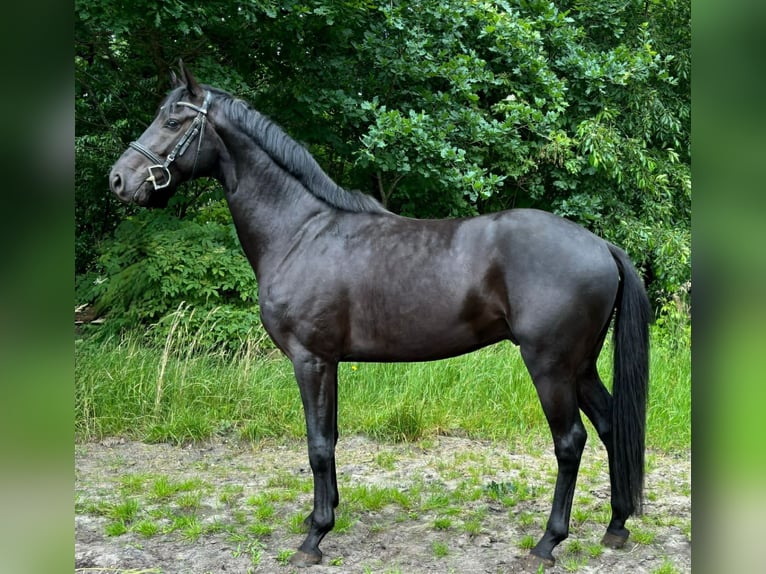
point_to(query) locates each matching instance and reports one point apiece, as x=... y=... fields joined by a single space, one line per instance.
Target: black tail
x=631 y=381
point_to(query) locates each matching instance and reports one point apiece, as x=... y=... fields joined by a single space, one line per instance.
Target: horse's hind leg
x=317 y=380
x=596 y=402
x=558 y=396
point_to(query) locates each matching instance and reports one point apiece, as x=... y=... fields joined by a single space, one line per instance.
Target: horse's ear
x=192 y=86
x=174 y=81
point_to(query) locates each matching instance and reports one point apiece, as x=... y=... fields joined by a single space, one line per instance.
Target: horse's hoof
x=303 y=559
x=614 y=541
x=532 y=563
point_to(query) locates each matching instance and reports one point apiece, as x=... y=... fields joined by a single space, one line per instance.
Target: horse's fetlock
x=324 y=522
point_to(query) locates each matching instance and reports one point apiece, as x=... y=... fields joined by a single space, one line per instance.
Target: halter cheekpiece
x=197 y=127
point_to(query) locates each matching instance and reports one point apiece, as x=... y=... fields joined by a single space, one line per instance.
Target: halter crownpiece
x=197 y=127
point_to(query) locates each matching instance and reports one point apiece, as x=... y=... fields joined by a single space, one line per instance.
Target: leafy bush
x=673 y=328
x=162 y=271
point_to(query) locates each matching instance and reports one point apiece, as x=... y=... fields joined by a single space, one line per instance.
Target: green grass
x=283 y=556
x=440 y=549
x=527 y=542
x=146 y=528
x=116 y=528
x=373 y=498
x=126 y=388
x=642 y=535
x=667 y=567
x=442 y=523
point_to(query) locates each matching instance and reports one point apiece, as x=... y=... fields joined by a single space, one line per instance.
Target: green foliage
x=673 y=329
x=189 y=276
x=96 y=213
x=438 y=108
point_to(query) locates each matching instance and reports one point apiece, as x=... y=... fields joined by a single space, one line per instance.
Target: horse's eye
x=172 y=124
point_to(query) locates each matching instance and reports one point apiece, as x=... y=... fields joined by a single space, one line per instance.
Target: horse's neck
x=269 y=207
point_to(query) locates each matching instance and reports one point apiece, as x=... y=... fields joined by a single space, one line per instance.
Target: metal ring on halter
x=159 y=164
x=197 y=127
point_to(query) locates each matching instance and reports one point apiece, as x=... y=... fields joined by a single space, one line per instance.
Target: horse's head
x=180 y=144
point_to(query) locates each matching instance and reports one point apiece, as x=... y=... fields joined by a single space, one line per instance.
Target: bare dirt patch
x=444 y=505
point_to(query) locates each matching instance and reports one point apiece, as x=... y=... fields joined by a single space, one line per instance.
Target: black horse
x=343 y=279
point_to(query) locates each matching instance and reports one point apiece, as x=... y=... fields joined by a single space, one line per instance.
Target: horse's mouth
x=139 y=196
x=147 y=196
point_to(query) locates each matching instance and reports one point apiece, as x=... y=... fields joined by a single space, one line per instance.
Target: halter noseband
x=197 y=127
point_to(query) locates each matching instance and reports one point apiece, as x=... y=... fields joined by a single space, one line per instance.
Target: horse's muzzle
x=126 y=193
x=117 y=185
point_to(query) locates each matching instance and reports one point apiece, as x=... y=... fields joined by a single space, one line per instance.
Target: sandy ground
x=388 y=540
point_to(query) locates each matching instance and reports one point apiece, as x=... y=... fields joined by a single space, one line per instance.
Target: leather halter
x=197 y=127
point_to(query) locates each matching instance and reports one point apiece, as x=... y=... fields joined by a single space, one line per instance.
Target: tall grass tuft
x=177 y=393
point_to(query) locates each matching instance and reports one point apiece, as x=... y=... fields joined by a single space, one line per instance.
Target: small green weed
x=436 y=501
x=667 y=567
x=642 y=536
x=216 y=527
x=132 y=483
x=573 y=564
x=525 y=519
x=687 y=530
x=472 y=526
x=440 y=549
x=125 y=511
x=594 y=550
x=386 y=460
x=374 y=498
x=189 y=501
x=283 y=556
x=162 y=488
x=259 y=529
x=296 y=523
x=509 y=493
x=527 y=542
x=285 y=480
x=264 y=511
x=192 y=530
x=580 y=515
x=230 y=493
x=146 y=528
x=239 y=516
x=343 y=522
x=116 y=528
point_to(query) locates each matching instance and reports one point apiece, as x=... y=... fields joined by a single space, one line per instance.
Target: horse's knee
x=321 y=456
x=569 y=448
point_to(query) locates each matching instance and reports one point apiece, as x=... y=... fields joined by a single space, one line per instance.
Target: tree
x=438 y=108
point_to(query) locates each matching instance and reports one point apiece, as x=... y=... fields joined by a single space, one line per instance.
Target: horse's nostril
x=116 y=182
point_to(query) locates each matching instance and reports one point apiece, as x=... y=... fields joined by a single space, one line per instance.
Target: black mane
x=291 y=156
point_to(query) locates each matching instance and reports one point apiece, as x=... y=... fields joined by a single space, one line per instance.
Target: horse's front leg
x=318 y=380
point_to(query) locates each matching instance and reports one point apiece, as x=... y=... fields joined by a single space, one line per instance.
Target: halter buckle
x=153 y=178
